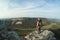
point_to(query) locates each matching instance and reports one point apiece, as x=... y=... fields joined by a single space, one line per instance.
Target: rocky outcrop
x=6 y=34
x=44 y=35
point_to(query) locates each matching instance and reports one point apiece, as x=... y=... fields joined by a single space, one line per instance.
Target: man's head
x=38 y=18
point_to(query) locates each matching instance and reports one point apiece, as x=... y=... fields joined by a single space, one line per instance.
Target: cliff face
x=44 y=35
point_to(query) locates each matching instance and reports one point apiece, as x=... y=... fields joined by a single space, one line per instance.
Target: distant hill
x=54 y=20
x=24 y=22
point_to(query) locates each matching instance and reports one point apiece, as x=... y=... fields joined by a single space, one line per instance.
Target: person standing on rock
x=39 y=25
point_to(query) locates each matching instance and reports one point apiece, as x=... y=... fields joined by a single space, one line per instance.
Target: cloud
x=29 y=8
x=3 y=8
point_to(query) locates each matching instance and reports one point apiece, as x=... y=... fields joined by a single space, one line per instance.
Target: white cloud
x=39 y=8
x=3 y=8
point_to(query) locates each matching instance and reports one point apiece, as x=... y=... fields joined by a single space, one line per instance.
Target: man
x=39 y=25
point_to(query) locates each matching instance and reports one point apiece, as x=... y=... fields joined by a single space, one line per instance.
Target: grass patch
x=55 y=26
x=22 y=32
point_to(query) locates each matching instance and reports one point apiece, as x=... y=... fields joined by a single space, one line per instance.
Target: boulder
x=44 y=35
x=5 y=34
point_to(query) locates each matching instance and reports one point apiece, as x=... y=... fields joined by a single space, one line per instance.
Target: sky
x=30 y=8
